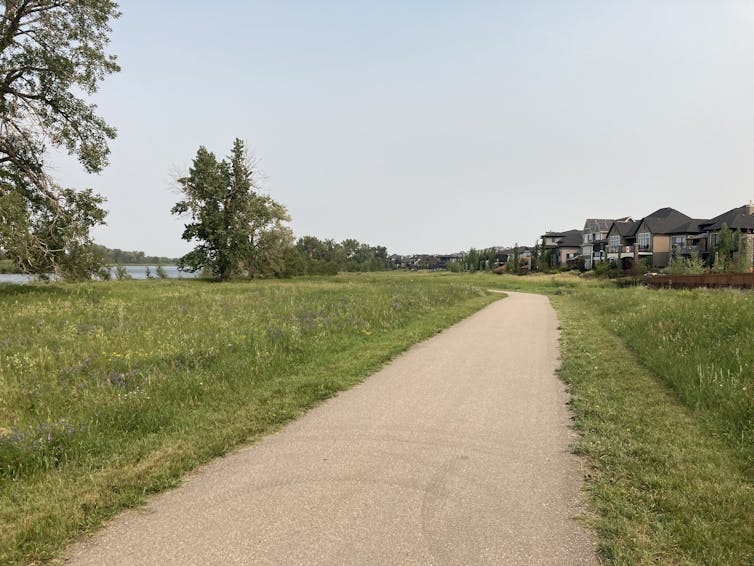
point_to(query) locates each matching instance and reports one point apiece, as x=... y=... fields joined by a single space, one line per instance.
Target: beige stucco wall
x=660 y=243
x=564 y=252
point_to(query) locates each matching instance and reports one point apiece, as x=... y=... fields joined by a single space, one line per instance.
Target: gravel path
x=455 y=453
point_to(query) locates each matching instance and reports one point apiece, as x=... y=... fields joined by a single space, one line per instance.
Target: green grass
x=112 y=391
x=666 y=488
x=700 y=343
x=661 y=385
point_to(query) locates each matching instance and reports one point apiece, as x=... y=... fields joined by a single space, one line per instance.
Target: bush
x=606 y=269
x=121 y=273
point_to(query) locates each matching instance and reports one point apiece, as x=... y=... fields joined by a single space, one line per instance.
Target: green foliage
x=50 y=52
x=473 y=260
x=536 y=257
x=606 y=269
x=53 y=241
x=239 y=231
x=160 y=272
x=121 y=257
x=121 y=273
x=328 y=257
x=455 y=266
x=694 y=265
x=7 y=266
x=114 y=390
x=743 y=260
x=732 y=252
x=724 y=250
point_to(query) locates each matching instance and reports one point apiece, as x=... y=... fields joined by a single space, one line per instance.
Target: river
x=135 y=271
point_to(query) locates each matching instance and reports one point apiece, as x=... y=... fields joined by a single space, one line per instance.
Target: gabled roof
x=735 y=218
x=663 y=220
x=571 y=239
x=598 y=224
x=625 y=226
x=693 y=226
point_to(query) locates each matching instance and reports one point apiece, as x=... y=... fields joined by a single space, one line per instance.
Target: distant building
x=562 y=247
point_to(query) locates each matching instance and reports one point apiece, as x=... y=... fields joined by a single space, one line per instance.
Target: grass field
x=111 y=391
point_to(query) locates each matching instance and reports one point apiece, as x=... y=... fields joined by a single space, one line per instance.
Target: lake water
x=135 y=271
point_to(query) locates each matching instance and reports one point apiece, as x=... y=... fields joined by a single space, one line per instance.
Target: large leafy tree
x=52 y=54
x=238 y=230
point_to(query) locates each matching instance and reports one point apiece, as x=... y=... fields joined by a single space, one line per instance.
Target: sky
x=430 y=127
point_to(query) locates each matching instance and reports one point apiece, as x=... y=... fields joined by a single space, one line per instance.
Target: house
x=562 y=247
x=647 y=239
x=594 y=239
x=688 y=239
x=741 y=218
x=620 y=241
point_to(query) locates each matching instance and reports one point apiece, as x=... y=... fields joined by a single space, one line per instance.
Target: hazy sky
x=431 y=126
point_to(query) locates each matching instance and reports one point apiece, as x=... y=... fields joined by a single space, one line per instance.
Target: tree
x=53 y=240
x=239 y=230
x=726 y=247
x=50 y=50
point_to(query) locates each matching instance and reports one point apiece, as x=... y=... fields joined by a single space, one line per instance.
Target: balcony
x=687 y=250
x=620 y=249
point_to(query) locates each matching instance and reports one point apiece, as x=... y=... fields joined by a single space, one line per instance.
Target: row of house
x=659 y=238
x=499 y=257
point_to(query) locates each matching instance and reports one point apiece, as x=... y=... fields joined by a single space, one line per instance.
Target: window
x=678 y=241
x=614 y=243
x=643 y=241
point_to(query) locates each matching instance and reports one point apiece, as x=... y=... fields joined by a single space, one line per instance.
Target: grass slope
x=111 y=391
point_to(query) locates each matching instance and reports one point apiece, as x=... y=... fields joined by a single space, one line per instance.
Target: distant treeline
x=313 y=256
x=123 y=257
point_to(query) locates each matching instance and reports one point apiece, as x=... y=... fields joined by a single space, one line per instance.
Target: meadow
x=111 y=391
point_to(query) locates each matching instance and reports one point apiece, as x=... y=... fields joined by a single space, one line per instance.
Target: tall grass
x=661 y=386
x=112 y=390
x=665 y=488
x=699 y=342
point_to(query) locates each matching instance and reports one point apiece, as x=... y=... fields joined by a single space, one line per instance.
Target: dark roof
x=626 y=227
x=693 y=226
x=663 y=220
x=571 y=239
x=735 y=218
x=598 y=224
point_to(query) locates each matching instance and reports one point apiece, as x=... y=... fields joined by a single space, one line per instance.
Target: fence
x=713 y=280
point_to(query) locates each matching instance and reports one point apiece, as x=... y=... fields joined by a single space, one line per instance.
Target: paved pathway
x=455 y=453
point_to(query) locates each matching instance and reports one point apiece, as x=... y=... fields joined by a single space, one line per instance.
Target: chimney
x=750 y=209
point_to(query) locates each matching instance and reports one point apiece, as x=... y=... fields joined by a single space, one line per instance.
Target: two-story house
x=651 y=238
x=740 y=218
x=594 y=239
x=620 y=240
x=562 y=247
x=688 y=239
